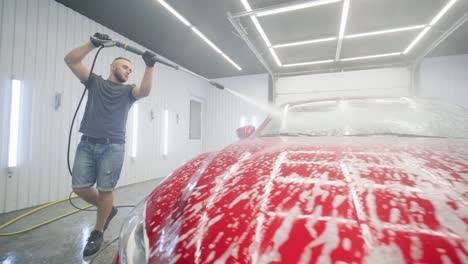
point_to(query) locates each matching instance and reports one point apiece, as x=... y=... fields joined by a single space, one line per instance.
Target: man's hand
x=99 y=39
x=150 y=58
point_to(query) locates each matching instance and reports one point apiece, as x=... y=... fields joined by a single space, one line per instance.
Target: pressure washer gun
x=113 y=43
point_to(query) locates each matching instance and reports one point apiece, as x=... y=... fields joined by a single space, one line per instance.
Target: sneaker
x=94 y=243
x=109 y=218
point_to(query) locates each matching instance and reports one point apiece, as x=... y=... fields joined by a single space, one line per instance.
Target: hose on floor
x=16 y=219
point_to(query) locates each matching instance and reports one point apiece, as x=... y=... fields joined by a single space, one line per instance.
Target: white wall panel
x=34 y=37
x=224 y=110
x=445 y=78
x=6 y=60
x=376 y=82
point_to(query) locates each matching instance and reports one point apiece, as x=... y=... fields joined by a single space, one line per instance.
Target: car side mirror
x=245 y=131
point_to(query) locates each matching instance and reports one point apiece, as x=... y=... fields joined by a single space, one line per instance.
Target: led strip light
x=198 y=33
x=341 y=35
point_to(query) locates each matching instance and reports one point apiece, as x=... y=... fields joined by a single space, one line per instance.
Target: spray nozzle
x=217 y=85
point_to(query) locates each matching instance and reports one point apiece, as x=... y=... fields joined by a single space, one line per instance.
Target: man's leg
x=88 y=194
x=108 y=170
x=104 y=206
x=84 y=176
x=84 y=173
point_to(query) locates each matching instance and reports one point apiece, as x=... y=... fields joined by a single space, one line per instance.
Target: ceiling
x=148 y=23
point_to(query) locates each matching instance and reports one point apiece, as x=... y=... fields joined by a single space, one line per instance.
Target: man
x=100 y=154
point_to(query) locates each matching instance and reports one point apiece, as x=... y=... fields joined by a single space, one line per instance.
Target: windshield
x=364 y=117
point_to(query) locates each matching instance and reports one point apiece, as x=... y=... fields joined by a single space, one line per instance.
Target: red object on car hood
x=316 y=199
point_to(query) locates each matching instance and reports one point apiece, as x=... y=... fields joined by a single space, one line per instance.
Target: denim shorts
x=97 y=163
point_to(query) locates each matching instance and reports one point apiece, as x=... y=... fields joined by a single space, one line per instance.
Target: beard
x=119 y=76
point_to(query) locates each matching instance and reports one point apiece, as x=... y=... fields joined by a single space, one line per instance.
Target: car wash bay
x=260 y=55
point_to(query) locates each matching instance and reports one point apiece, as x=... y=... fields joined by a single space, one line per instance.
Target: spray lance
x=113 y=43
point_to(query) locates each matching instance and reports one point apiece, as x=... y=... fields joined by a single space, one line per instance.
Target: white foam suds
x=462 y=256
x=445 y=259
x=371 y=205
x=339 y=199
x=330 y=238
x=239 y=198
x=394 y=215
x=263 y=204
x=281 y=235
x=416 y=248
x=215 y=219
x=384 y=254
x=210 y=257
x=347 y=244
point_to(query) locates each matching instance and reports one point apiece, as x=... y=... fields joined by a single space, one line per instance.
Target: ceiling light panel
x=302 y=25
x=439 y=16
x=372 y=56
x=377 y=44
x=198 y=33
x=292 y=46
x=308 y=63
x=260 y=30
x=307 y=42
x=275 y=57
x=387 y=31
x=207 y=41
x=296 y=7
x=442 y=12
x=314 y=52
x=174 y=12
x=344 y=18
x=343 y=23
x=416 y=40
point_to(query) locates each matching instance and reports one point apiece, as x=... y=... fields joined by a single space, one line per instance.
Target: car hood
x=315 y=199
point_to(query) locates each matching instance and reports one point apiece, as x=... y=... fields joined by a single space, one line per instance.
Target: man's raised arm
x=74 y=59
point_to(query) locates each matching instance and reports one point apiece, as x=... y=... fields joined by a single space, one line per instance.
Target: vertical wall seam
x=1 y=28
x=26 y=190
x=12 y=62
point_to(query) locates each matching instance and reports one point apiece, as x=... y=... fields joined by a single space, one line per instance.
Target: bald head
x=121 y=58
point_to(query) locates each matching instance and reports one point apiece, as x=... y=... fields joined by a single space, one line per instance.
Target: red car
x=336 y=181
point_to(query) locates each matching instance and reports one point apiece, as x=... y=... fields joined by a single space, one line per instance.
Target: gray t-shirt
x=107 y=108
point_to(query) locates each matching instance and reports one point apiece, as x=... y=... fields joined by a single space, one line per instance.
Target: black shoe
x=109 y=218
x=94 y=243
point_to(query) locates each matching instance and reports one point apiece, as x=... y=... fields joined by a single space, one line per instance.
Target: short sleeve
x=132 y=98
x=92 y=79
